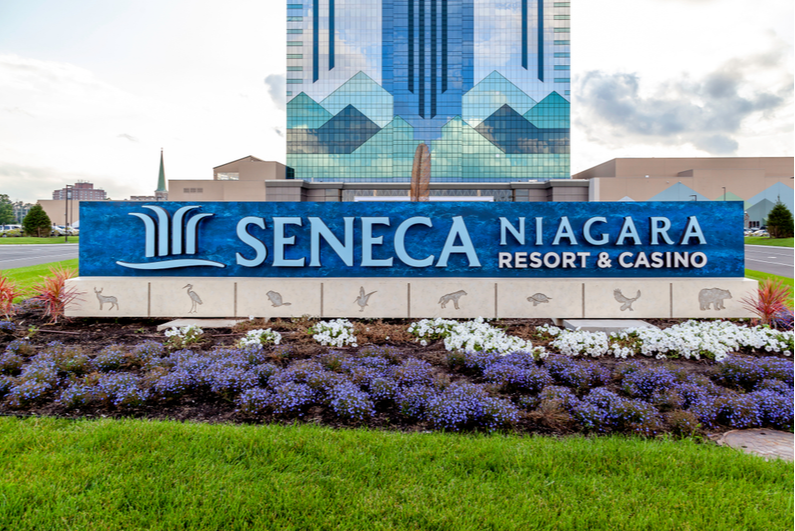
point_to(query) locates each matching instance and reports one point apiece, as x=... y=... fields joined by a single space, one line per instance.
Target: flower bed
x=471 y=375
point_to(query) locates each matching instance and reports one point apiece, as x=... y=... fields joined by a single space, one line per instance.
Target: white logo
x=171 y=237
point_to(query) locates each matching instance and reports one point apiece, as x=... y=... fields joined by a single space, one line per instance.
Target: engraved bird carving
x=626 y=302
x=363 y=297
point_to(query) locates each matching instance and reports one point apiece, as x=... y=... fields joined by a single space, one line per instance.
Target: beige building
x=240 y=180
x=757 y=181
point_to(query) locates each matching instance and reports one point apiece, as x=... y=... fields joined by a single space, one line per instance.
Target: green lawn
x=133 y=474
x=775 y=242
x=29 y=240
x=25 y=277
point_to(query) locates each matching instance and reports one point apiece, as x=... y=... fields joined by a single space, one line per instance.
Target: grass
x=25 y=277
x=775 y=242
x=133 y=474
x=761 y=277
x=30 y=240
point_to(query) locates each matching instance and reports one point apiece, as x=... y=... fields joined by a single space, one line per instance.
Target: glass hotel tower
x=484 y=83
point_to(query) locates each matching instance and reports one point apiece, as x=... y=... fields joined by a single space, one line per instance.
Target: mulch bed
x=92 y=334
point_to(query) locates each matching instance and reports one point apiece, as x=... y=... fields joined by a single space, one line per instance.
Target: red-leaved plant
x=8 y=292
x=771 y=299
x=52 y=291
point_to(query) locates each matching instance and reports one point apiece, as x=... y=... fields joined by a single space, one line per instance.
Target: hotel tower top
x=483 y=83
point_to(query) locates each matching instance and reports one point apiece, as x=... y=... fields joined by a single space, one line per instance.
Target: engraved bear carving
x=452 y=297
x=714 y=296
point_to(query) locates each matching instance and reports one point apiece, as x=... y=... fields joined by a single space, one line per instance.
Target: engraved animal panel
x=626 y=302
x=194 y=298
x=363 y=297
x=539 y=298
x=103 y=299
x=713 y=296
x=276 y=299
x=454 y=297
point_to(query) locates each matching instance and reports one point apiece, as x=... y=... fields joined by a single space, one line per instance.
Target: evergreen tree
x=779 y=221
x=6 y=210
x=37 y=222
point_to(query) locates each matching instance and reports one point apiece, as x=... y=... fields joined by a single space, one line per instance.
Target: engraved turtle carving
x=538 y=298
x=276 y=299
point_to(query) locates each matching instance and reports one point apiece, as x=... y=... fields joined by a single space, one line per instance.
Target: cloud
x=708 y=113
x=128 y=137
x=277 y=84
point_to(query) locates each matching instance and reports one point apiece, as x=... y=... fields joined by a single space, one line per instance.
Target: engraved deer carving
x=104 y=298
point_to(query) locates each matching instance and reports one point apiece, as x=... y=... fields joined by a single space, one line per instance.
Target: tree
x=37 y=222
x=6 y=210
x=779 y=221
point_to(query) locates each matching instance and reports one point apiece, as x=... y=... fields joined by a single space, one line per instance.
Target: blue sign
x=495 y=240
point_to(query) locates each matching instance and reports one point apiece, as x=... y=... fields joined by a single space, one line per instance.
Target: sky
x=93 y=89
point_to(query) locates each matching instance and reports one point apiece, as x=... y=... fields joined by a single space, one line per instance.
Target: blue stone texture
x=110 y=234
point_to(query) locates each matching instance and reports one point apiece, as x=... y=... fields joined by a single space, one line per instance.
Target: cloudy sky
x=92 y=89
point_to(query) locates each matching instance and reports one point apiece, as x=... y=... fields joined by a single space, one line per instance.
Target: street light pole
x=724 y=193
x=66 y=213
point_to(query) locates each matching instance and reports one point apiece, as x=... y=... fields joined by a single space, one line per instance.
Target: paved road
x=12 y=256
x=775 y=260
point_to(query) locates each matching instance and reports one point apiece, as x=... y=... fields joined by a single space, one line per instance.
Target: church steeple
x=161 y=194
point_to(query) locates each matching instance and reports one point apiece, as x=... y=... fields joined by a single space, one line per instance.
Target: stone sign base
x=619 y=298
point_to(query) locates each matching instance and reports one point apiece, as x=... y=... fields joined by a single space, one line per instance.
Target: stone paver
x=202 y=323
x=607 y=326
x=767 y=443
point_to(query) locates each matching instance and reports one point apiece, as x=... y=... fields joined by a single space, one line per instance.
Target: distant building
x=80 y=191
x=757 y=181
x=240 y=180
x=143 y=198
x=161 y=194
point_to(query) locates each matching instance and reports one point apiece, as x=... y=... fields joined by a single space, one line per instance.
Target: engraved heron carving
x=194 y=297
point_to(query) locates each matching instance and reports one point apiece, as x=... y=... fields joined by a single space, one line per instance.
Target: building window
x=295 y=19
x=295 y=56
x=294 y=81
x=295 y=31
x=562 y=4
x=295 y=68
x=562 y=55
x=562 y=43
x=562 y=80
x=562 y=30
x=295 y=6
x=228 y=176
x=295 y=43
x=561 y=17
x=561 y=67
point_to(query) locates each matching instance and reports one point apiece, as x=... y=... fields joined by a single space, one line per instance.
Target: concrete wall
x=411 y=297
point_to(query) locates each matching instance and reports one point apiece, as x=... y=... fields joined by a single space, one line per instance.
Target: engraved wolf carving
x=452 y=297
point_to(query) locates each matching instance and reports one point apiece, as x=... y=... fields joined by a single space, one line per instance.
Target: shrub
x=10 y=363
x=173 y=385
x=111 y=358
x=350 y=402
x=466 y=405
x=517 y=377
x=734 y=411
x=28 y=392
x=8 y=292
x=291 y=398
x=333 y=360
x=579 y=374
x=257 y=338
x=775 y=408
x=382 y=389
x=779 y=221
x=413 y=401
x=335 y=333
x=19 y=347
x=53 y=293
x=589 y=417
x=37 y=222
x=254 y=401
x=747 y=373
x=121 y=390
x=412 y=372
x=560 y=395
x=144 y=353
x=474 y=361
x=682 y=423
x=643 y=383
x=180 y=338
x=77 y=395
x=782 y=319
x=770 y=300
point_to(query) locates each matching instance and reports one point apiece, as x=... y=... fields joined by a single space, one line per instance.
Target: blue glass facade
x=484 y=83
